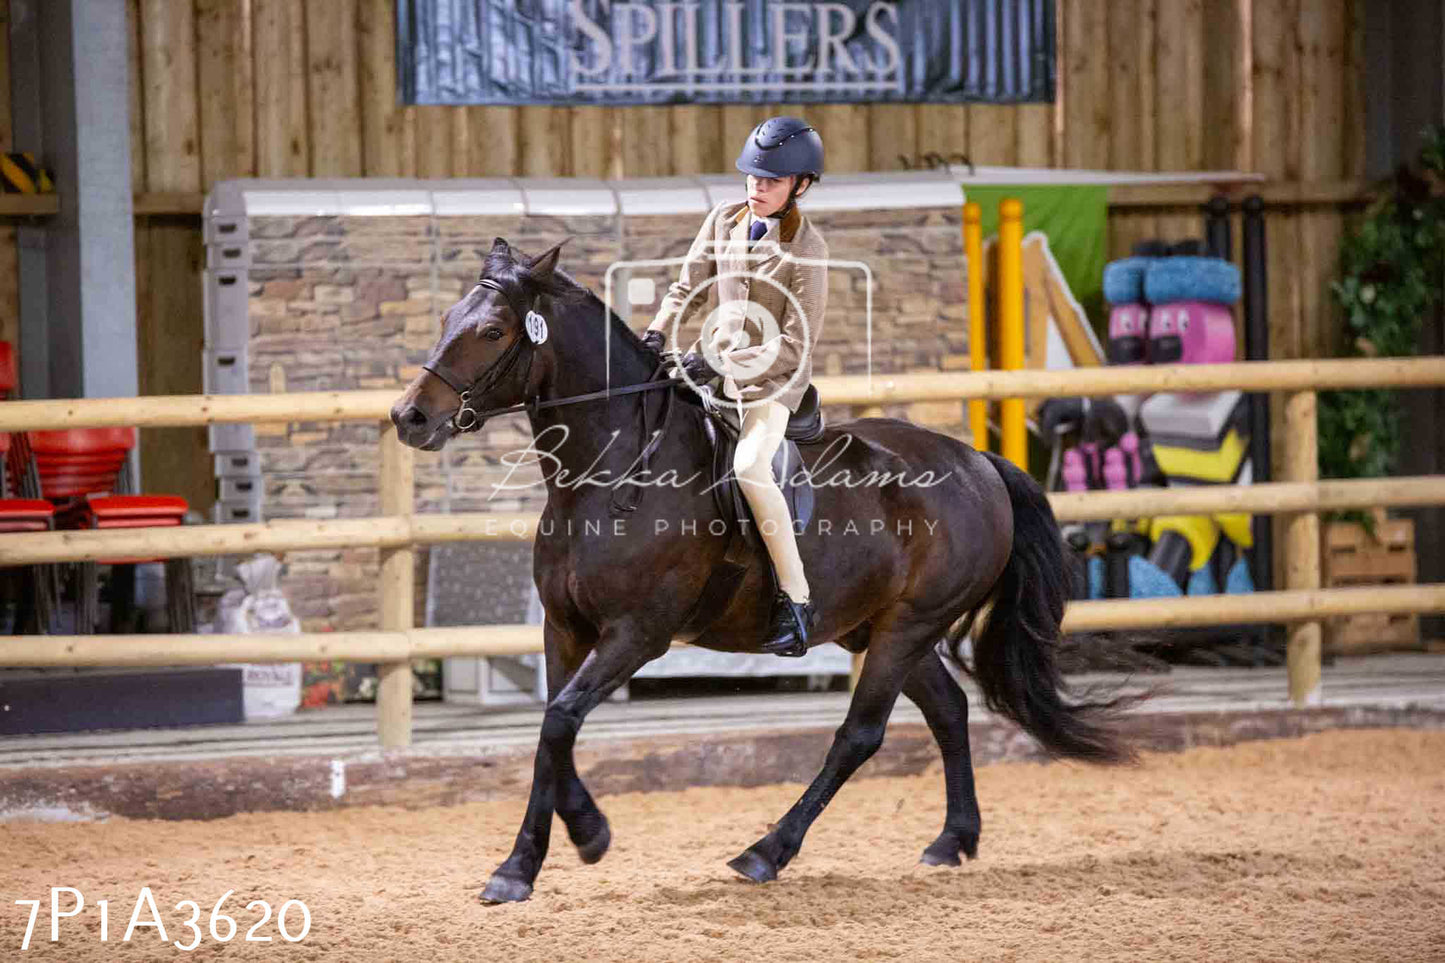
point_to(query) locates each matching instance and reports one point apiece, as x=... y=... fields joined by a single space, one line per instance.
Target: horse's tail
x=1014 y=659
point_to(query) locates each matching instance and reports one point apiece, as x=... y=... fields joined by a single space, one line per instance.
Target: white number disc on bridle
x=536 y=327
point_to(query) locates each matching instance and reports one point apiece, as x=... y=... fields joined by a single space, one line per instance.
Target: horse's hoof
x=754 y=867
x=940 y=856
x=504 y=889
x=595 y=848
x=945 y=849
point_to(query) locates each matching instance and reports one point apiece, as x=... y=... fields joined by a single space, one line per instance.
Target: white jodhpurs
x=762 y=433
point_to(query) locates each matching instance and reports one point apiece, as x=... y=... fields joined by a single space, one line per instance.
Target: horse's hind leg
x=555 y=783
x=945 y=706
x=892 y=655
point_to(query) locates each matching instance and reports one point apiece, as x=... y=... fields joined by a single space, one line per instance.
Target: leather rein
x=468 y=419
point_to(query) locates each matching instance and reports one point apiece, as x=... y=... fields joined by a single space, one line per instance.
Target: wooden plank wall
x=9 y=268
x=297 y=88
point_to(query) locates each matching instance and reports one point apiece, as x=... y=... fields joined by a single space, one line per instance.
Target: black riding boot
x=788 y=626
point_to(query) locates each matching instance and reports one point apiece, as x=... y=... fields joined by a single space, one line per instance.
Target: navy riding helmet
x=781 y=146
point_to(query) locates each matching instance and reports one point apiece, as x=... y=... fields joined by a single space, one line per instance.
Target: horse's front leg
x=620 y=651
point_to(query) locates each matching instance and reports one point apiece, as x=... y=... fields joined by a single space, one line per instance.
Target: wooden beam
x=283 y=147
x=1260 y=608
x=694 y=133
x=835 y=390
x=1260 y=498
x=332 y=90
x=1087 y=112
x=1302 y=546
x=545 y=134
x=511 y=640
x=844 y=128
x=495 y=141
x=398 y=590
x=172 y=135
x=136 y=58
x=593 y=152
x=289 y=535
x=435 y=142
x=29 y=205
x=388 y=130
x=942 y=130
x=892 y=132
x=190 y=203
x=227 y=88
x=1329 y=193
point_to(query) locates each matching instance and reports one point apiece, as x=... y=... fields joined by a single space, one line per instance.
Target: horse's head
x=484 y=354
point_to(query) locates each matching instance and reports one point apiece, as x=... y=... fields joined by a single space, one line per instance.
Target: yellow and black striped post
x=19 y=174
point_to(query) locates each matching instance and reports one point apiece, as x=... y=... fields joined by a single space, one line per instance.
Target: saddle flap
x=732 y=504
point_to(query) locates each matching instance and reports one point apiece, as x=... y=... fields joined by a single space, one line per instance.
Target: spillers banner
x=724 y=51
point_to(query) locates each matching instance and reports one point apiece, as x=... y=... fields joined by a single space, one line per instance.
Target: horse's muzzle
x=415 y=429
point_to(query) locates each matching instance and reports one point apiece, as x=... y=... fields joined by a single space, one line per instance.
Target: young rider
x=766 y=265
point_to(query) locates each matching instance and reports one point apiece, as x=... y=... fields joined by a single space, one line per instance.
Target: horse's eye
x=492 y=334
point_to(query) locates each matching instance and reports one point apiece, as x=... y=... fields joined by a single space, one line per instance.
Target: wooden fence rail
x=397 y=531
x=173 y=411
x=397 y=646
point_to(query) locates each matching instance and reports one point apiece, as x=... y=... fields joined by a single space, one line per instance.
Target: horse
x=528 y=337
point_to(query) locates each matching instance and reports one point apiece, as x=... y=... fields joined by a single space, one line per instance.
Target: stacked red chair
x=21 y=510
x=8 y=380
x=83 y=472
x=36 y=586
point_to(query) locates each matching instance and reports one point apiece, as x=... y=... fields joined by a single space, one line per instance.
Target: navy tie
x=759 y=228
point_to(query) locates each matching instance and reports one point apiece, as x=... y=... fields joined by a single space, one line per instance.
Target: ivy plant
x=1392 y=266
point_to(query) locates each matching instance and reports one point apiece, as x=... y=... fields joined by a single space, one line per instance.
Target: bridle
x=468 y=419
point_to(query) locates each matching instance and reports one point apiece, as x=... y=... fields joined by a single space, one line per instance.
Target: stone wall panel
x=340 y=303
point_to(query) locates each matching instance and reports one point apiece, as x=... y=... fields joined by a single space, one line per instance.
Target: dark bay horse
x=897 y=566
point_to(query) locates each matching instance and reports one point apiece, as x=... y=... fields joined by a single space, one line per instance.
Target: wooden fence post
x=398 y=593
x=1302 y=546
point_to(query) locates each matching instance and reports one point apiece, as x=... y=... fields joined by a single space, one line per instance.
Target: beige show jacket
x=790 y=257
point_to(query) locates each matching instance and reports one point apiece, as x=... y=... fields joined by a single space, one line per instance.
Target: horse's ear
x=500 y=246
x=545 y=263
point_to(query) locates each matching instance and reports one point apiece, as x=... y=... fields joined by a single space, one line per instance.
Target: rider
x=774 y=281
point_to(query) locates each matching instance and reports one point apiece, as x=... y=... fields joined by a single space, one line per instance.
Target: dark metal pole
x=1256 y=348
x=1216 y=227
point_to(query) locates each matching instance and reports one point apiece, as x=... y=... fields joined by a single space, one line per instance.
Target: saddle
x=805 y=426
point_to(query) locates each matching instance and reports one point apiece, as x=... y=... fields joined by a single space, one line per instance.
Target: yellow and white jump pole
x=1011 y=325
x=977 y=327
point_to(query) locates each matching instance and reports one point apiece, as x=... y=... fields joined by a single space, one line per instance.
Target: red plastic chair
x=18 y=513
x=82 y=470
x=8 y=380
x=38 y=587
x=86 y=464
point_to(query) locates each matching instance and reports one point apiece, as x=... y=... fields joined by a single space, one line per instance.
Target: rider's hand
x=654 y=341
x=695 y=366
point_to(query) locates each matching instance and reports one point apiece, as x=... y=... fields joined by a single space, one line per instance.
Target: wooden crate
x=1357 y=634
x=1351 y=556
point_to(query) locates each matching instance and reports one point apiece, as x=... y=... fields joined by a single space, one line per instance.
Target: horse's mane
x=507 y=268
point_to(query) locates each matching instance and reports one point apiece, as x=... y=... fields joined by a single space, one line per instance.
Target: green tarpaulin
x=1076 y=220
